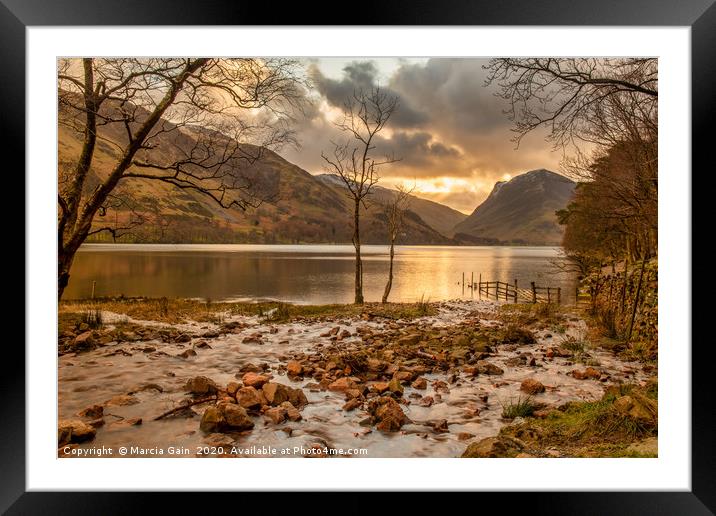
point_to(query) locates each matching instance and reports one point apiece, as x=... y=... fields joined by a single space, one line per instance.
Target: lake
x=309 y=274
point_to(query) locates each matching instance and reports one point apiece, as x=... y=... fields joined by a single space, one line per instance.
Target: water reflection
x=304 y=273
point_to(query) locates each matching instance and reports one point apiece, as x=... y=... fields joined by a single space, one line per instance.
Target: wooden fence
x=503 y=291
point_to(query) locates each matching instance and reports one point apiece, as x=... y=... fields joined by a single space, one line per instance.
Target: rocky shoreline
x=446 y=382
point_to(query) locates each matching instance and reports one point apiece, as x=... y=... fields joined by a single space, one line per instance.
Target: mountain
x=519 y=211
x=438 y=216
x=301 y=209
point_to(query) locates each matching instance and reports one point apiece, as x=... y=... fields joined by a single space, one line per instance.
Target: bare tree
x=179 y=121
x=395 y=210
x=365 y=114
x=579 y=99
x=606 y=112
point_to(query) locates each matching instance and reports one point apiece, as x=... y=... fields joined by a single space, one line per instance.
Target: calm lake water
x=311 y=274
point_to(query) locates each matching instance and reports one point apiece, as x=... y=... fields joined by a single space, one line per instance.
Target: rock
x=588 y=374
x=485 y=367
x=516 y=361
x=254 y=380
x=297 y=398
x=249 y=368
x=375 y=366
x=380 y=387
x=640 y=408
x=440 y=426
x=202 y=345
x=403 y=376
x=440 y=386
x=254 y=338
x=531 y=386
x=74 y=431
x=388 y=414
x=232 y=387
x=121 y=400
x=649 y=446
x=427 y=401
x=294 y=368
x=420 y=383
x=84 y=341
x=465 y=436
x=292 y=413
x=134 y=421
x=395 y=386
x=276 y=415
x=353 y=393
x=187 y=353
x=276 y=393
x=225 y=417
x=93 y=412
x=201 y=385
x=342 y=384
x=352 y=404
x=499 y=446
x=249 y=398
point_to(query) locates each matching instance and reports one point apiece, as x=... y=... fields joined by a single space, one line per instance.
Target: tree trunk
x=64 y=264
x=359 y=263
x=389 y=285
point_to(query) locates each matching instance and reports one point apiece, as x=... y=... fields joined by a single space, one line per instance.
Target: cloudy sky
x=449 y=130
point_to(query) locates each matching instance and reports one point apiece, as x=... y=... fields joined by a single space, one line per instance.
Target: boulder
x=485 y=367
x=250 y=398
x=588 y=374
x=395 y=386
x=352 y=404
x=121 y=400
x=531 y=386
x=84 y=341
x=420 y=383
x=380 y=387
x=232 y=387
x=201 y=385
x=253 y=379
x=499 y=446
x=387 y=414
x=637 y=407
x=74 y=431
x=297 y=398
x=93 y=412
x=342 y=384
x=292 y=413
x=187 y=353
x=294 y=368
x=276 y=415
x=276 y=393
x=225 y=417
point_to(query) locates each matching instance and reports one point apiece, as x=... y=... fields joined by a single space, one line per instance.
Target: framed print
x=423 y=247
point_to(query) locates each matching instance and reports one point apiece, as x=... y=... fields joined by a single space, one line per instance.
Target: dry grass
x=178 y=310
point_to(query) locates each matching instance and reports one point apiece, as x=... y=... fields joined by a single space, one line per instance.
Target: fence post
x=549 y=296
x=534 y=292
x=515 y=290
x=472 y=280
x=479 y=286
x=576 y=294
x=94 y=284
x=463 y=283
x=559 y=295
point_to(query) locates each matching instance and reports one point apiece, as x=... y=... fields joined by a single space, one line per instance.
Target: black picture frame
x=699 y=15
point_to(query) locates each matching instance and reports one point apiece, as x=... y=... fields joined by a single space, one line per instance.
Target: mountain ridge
x=520 y=211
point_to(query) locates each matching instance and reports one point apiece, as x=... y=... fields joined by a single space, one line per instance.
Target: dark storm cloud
x=417 y=149
x=448 y=125
x=362 y=75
